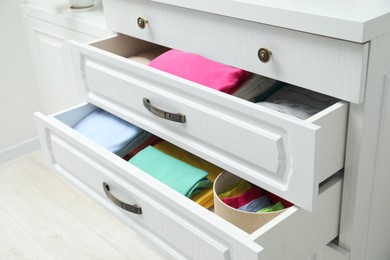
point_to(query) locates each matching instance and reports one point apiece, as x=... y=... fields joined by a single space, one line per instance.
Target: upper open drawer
x=283 y=154
x=330 y=66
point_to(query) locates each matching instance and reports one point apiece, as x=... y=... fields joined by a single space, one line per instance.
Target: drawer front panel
x=325 y=65
x=281 y=154
x=155 y=218
x=172 y=221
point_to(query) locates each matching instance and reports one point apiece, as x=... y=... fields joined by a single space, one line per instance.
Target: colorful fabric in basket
x=256 y=204
x=244 y=198
x=237 y=189
x=200 y=70
x=111 y=132
x=180 y=176
x=205 y=197
x=278 y=206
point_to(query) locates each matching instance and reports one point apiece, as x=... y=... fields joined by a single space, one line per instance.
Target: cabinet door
x=49 y=50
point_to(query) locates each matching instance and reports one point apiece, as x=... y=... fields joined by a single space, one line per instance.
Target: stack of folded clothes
x=209 y=73
x=111 y=132
x=205 y=197
x=247 y=197
x=152 y=140
x=257 y=88
x=200 y=70
x=297 y=102
x=180 y=170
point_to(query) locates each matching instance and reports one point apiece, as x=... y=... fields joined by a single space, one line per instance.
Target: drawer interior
x=72 y=117
x=143 y=53
x=75 y=156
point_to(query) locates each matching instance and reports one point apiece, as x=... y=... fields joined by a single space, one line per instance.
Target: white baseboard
x=19 y=150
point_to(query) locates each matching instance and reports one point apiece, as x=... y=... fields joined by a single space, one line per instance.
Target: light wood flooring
x=44 y=217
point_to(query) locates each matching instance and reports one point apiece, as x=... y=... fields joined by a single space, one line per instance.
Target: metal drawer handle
x=142 y=22
x=132 y=208
x=161 y=113
x=264 y=55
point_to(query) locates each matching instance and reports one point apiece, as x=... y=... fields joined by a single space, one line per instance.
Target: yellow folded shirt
x=205 y=197
x=236 y=189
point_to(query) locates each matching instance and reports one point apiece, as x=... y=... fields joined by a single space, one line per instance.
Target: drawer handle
x=264 y=55
x=132 y=208
x=142 y=22
x=161 y=113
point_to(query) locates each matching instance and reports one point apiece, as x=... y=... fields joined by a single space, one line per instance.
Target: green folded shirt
x=278 y=206
x=182 y=177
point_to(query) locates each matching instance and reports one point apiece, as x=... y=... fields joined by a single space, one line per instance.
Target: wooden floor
x=44 y=217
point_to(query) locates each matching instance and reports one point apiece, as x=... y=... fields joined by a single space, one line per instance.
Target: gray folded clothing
x=298 y=102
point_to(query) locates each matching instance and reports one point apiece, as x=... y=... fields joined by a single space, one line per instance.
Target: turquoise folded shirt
x=180 y=176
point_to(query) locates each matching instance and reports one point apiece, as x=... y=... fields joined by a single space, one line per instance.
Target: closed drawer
x=280 y=153
x=322 y=64
x=173 y=222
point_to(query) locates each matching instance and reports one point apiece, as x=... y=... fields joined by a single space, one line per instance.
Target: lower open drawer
x=177 y=225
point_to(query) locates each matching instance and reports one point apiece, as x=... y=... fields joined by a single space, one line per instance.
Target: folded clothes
x=236 y=189
x=180 y=176
x=152 y=140
x=111 y=132
x=244 y=198
x=256 y=88
x=275 y=199
x=205 y=197
x=200 y=70
x=277 y=206
x=256 y=204
x=298 y=102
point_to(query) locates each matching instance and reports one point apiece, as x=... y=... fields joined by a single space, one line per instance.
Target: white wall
x=18 y=90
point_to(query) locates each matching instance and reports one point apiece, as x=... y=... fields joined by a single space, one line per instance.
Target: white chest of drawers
x=287 y=156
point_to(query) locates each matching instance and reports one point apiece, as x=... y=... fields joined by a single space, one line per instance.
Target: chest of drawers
x=298 y=160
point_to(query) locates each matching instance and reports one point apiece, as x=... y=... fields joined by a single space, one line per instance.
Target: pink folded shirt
x=200 y=70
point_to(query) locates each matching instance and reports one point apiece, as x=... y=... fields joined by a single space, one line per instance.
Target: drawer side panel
x=321 y=226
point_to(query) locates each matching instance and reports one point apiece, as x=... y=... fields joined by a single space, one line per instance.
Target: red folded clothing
x=153 y=140
x=274 y=199
x=246 y=197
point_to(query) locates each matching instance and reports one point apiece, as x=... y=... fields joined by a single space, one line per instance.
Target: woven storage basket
x=247 y=221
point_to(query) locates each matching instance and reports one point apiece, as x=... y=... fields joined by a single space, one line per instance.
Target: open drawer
x=171 y=221
x=280 y=153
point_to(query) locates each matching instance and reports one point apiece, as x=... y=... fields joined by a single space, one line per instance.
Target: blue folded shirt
x=111 y=132
x=256 y=204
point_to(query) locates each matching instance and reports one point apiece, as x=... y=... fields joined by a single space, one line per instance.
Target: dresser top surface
x=352 y=20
